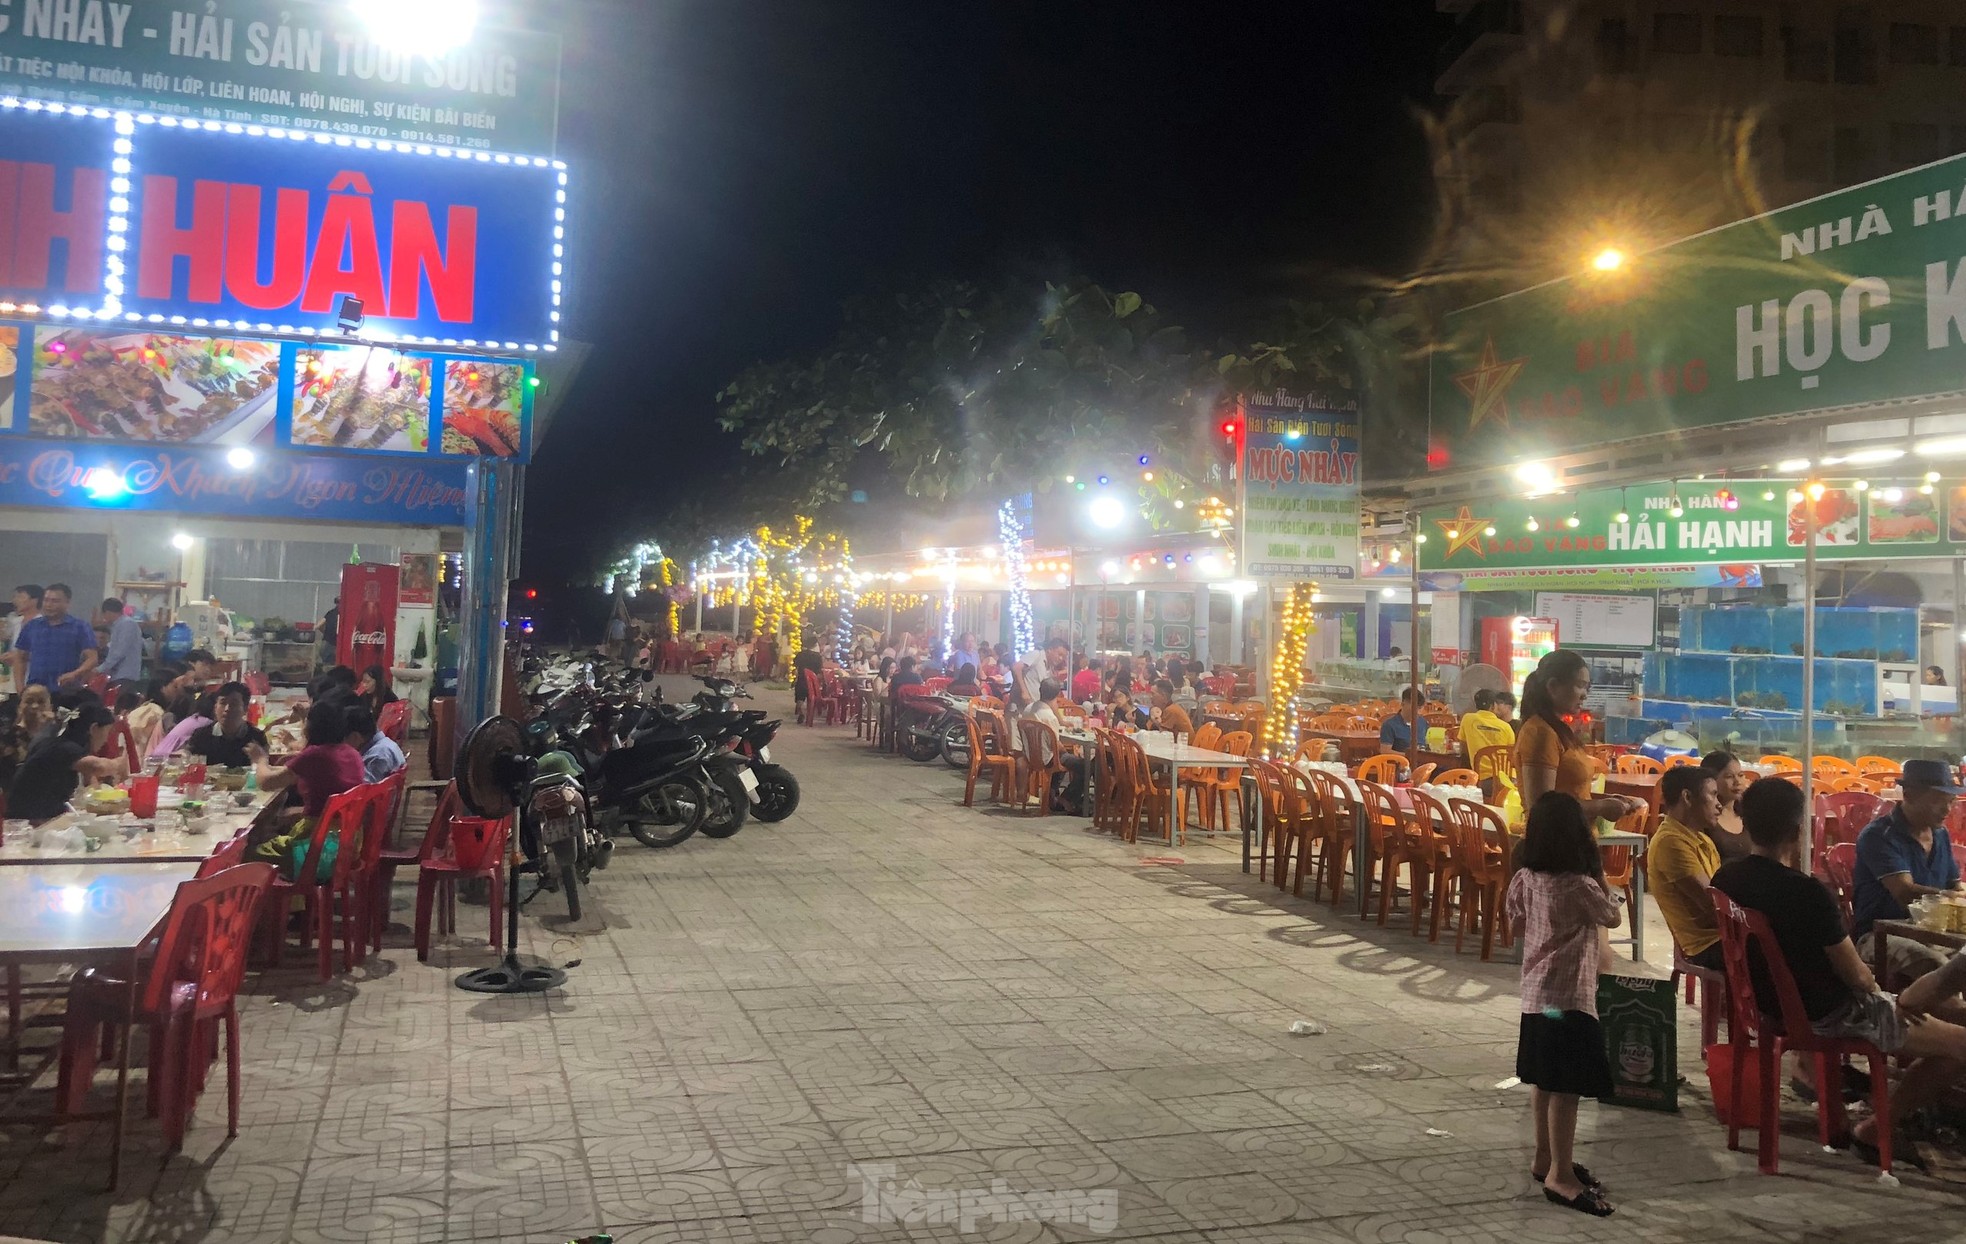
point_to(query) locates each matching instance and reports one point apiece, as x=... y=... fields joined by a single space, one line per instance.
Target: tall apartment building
x=1574 y=124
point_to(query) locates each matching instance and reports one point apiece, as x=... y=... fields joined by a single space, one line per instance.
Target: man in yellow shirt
x=1166 y=714
x=1488 y=726
x=1681 y=860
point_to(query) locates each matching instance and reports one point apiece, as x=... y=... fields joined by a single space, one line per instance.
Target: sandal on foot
x=1589 y=1201
x=1582 y=1172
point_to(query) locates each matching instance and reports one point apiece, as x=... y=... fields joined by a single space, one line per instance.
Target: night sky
x=742 y=167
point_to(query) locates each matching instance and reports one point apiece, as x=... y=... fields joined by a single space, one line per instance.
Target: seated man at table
x=224 y=741
x=1488 y=726
x=1681 y=862
x=380 y=755
x=1166 y=714
x=1835 y=986
x=1068 y=788
x=1396 y=732
x=1903 y=856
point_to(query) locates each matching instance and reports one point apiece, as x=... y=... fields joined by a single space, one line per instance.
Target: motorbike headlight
x=764 y=755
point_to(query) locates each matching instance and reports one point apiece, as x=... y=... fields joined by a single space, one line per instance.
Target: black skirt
x=1563 y=1054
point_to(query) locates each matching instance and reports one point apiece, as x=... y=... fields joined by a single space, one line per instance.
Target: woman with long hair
x=374 y=689
x=1549 y=756
x=1730 y=783
x=1560 y=902
x=57 y=763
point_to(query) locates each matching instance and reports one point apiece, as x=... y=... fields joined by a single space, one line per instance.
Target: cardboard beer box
x=1636 y=1008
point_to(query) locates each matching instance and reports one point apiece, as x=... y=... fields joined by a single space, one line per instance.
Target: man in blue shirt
x=380 y=755
x=122 y=664
x=56 y=650
x=1903 y=856
x=1396 y=732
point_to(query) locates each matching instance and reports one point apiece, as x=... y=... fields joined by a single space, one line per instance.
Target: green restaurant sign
x=294 y=64
x=1845 y=300
x=1734 y=526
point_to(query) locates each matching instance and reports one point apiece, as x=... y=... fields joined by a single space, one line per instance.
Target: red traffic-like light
x=532 y=593
x=1230 y=427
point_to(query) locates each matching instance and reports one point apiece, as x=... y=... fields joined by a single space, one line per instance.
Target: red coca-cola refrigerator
x=367 y=635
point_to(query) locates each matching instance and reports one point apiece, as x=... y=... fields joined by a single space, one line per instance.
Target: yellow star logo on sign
x=1464 y=531
x=1487 y=386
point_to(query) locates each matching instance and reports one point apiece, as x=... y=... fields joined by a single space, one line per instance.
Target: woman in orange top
x=1548 y=754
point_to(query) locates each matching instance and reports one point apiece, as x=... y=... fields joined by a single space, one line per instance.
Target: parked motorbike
x=943 y=733
x=569 y=848
x=653 y=788
x=776 y=795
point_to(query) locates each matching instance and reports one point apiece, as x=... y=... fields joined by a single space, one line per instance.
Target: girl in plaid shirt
x=1559 y=901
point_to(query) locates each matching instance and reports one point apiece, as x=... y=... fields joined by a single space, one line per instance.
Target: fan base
x=511 y=977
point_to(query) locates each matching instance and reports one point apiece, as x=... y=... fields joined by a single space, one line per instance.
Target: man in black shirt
x=225 y=741
x=1837 y=991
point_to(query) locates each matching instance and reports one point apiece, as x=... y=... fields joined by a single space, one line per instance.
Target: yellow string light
x=1287 y=669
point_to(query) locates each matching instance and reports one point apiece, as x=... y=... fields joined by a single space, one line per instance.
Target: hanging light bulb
x=1673 y=505
x=1863 y=485
x=1533 y=525
x=1488 y=531
x=1623 y=515
x=1814 y=490
x=1573 y=522
x=1453 y=533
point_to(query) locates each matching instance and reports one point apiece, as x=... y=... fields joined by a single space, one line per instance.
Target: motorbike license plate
x=750 y=781
x=554 y=829
x=764 y=755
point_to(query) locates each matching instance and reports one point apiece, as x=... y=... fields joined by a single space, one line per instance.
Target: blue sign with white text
x=96 y=475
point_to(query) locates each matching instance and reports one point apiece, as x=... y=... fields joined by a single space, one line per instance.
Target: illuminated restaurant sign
x=132 y=220
x=96 y=475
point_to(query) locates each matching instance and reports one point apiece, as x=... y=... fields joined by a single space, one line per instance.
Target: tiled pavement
x=981 y=1002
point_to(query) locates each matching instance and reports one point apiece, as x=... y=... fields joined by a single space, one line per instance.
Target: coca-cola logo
x=369 y=637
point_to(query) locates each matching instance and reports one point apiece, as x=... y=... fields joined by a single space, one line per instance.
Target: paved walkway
x=893 y=987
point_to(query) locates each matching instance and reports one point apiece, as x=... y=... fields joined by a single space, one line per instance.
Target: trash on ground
x=1434 y=1131
x=1509 y=1083
x=1307 y=1028
x=1376 y=1067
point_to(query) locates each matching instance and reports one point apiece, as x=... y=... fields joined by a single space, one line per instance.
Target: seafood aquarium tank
x=1737 y=681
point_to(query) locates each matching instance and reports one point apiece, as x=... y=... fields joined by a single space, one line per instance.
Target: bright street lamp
x=180 y=542
x=1610 y=259
x=431 y=27
x=1106 y=511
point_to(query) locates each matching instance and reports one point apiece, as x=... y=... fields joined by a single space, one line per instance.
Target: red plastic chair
x=389 y=858
x=394 y=721
x=818 y=698
x=459 y=847
x=1840 y=866
x=191 y=987
x=343 y=821
x=385 y=806
x=1740 y=928
x=121 y=743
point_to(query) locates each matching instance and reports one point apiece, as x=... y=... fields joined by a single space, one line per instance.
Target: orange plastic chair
x=1878 y=766
x=1217 y=785
x=1382 y=769
x=1422 y=844
x=1478 y=865
x=1459 y=777
x=1788 y=1030
x=1038 y=774
x=1679 y=760
x=1492 y=763
x=1783 y=763
x=1631 y=762
x=191 y=989
x=1424 y=773
x=987 y=753
x=1336 y=812
x=1834 y=766
x=1281 y=829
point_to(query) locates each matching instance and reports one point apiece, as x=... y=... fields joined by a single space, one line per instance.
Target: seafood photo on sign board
x=152 y=387
x=362 y=397
x=482 y=408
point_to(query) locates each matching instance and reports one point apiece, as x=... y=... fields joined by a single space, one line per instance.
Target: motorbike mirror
x=648 y=675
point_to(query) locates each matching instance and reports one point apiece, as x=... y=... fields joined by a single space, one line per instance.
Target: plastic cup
x=143 y=796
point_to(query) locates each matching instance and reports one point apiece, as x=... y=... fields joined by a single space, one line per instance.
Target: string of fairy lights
x=1287 y=666
x=1010 y=534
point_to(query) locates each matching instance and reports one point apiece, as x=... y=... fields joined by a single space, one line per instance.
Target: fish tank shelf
x=1844 y=633
x=1763 y=682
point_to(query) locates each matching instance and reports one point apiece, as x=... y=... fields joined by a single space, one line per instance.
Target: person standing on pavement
x=1560 y=902
x=27 y=604
x=1548 y=754
x=122 y=663
x=56 y=650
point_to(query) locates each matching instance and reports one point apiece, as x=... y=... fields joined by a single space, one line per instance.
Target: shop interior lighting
x=1792 y=465
x=240 y=458
x=180 y=541
x=1893 y=495
x=1941 y=447
x=1814 y=490
x=1863 y=485
x=1536 y=476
